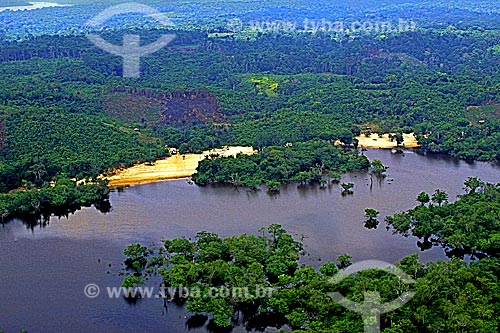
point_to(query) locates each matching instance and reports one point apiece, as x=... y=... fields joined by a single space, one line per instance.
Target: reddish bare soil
x=176 y=109
x=186 y=106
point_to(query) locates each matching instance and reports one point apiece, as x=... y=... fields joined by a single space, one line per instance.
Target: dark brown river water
x=43 y=271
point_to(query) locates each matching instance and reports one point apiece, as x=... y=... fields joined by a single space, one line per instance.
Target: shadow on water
x=372 y=224
x=260 y=322
x=466 y=254
x=273 y=194
x=441 y=157
x=196 y=321
x=43 y=218
x=460 y=253
x=246 y=316
x=347 y=193
x=425 y=245
x=251 y=320
x=328 y=223
x=211 y=327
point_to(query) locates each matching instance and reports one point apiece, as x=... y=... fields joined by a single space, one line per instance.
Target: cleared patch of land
x=174 y=167
x=149 y=107
x=384 y=142
x=479 y=114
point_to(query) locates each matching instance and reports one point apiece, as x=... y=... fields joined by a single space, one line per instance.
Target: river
x=32 y=6
x=43 y=270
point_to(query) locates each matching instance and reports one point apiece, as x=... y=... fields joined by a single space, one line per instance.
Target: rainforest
x=314 y=93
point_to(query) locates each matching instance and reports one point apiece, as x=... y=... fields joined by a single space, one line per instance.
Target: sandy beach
x=182 y=166
x=374 y=141
x=174 y=167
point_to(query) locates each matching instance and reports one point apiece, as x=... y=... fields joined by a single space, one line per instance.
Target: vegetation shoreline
x=181 y=166
x=385 y=142
x=304 y=162
x=454 y=294
x=173 y=167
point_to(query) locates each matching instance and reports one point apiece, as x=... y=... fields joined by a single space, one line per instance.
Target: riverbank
x=182 y=166
x=174 y=167
x=384 y=142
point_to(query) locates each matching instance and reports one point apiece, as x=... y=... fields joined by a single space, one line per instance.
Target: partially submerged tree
x=344 y=261
x=472 y=184
x=439 y=197
x=273 y=186
x=335 y=176
x=423 y=198
x=377 y=167
x=347 y=187
x=371 y=221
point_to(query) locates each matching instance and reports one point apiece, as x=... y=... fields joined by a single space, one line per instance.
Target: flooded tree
x=347 y=187
x=423 y=198
x=371 y=221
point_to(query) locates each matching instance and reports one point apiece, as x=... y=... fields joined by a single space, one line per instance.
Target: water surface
x=43 y=270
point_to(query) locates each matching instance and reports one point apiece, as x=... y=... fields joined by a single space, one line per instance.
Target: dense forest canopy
x=448 y=296
x=65 y=107
x=268 y=75
x=470 y=224
x=311 y=161
x=214 y=15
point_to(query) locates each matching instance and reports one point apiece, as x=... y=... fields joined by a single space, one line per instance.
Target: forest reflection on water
x=68 y=253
